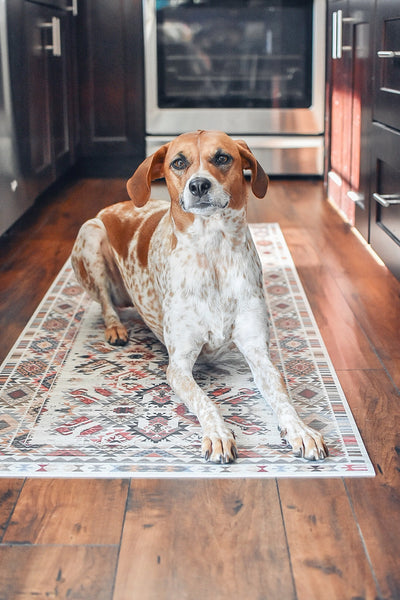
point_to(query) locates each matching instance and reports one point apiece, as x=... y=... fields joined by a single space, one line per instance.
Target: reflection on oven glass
x=243 y=53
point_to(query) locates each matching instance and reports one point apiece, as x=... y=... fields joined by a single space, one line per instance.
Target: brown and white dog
x=192 y=271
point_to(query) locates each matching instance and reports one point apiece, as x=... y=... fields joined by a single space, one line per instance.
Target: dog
x=192 y=271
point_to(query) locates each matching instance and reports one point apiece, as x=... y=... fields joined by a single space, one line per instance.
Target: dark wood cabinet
x=111 y=84
x=349 y=102
x=44 y=88
x=363 y=102
x=385 y=185
x=387 y=64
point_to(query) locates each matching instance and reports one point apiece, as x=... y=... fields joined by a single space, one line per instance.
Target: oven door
x=242 y=67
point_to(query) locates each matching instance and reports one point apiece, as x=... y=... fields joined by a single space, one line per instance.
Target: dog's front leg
x=218 y=443
x=253 y=344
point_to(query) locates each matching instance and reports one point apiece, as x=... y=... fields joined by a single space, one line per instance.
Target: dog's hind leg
x=96 y=270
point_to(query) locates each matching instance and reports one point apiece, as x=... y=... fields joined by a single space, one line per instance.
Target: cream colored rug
x=73 y=406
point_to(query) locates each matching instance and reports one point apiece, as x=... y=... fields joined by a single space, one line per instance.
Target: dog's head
x=203 y=172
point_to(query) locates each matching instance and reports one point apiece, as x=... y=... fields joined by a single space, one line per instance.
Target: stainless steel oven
x=252 y=68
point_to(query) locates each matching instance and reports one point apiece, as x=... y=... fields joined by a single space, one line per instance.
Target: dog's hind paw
x=116 y=335
x=219 y=448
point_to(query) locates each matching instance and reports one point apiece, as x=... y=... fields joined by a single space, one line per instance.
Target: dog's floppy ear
x=139 y=185
x=259 y=180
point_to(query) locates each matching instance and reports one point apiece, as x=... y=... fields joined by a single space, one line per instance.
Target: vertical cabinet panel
x=44 y=108
x=38 y=161
x=350 y=109
x=111 y=78
x=387 y=61
x=385 y=188
x=385 y=218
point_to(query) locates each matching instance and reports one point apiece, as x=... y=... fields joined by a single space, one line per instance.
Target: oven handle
x=387 y=200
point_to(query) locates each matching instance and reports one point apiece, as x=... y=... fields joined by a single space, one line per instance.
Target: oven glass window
x=234 y=53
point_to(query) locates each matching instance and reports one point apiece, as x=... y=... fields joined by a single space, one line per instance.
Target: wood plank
x=376 y=304
x=348 y=346
x=203 y=538
x=69 y=511
x=376 y=501
x=326 y=550
x=62 y=572
x=9 y=491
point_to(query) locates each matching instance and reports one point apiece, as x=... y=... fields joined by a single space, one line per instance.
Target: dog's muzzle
x=204 y=196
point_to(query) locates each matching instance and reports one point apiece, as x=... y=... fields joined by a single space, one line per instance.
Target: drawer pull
x=357 y=198
x=73 y=8
x=55 y=46
x=388 y=53
x=387 y=200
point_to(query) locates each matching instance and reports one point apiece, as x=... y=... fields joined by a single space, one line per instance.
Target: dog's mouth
x=203 y=206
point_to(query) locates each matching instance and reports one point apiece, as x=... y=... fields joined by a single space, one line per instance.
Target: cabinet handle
x=334 y=35
x=337 y=34
x=388 y=53
x=387 y=200
x=356 y=197
x=55 y=46
x=73 y=8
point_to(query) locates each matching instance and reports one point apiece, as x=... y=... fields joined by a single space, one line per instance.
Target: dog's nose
x=199 y=186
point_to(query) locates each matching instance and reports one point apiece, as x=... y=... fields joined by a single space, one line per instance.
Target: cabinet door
x=111 y=82
x=60 y=95
x=361 y=22
x=387 y=64
x=47 y=86
x=385 y=221
x=38 y=163
x=340 y=106
x=351 y=90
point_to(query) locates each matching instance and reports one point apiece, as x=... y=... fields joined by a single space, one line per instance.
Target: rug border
x=328 y=359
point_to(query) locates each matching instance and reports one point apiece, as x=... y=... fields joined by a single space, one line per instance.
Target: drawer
x=385 y=200
x=70 y=5
x=387 y=64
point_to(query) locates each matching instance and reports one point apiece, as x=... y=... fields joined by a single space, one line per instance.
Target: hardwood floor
x=193 y=539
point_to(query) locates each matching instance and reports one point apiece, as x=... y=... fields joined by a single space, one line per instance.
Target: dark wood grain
x=253 y=539
x=205 y=538
x=67 y=511
x=62 y=572
x=322 y=535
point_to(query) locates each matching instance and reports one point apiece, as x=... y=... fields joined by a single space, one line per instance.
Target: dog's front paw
x=219 y=447
x=306 y=442
x=116 y=335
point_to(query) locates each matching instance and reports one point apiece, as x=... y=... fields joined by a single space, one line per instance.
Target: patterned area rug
x=73 y=406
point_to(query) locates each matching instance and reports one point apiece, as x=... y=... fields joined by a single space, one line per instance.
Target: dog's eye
x=222 y=159
x=179 y=163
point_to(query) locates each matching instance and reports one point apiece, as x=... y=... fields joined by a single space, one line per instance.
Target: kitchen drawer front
x=387 y=64
x=70 y=5
x=385 y=225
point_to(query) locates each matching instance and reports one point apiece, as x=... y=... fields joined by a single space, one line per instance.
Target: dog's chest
x=208 y=281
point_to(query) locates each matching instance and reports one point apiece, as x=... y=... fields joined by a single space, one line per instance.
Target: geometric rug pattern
x=73 y=406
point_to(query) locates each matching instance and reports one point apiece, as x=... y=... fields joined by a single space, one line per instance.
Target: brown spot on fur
x=121 y=221
x=182 y=219
x=145 y=235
